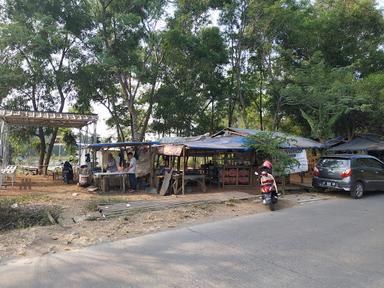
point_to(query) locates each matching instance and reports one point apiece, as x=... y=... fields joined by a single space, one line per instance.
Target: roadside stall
x=205 y=162
x=105 y=177
x=222 y=160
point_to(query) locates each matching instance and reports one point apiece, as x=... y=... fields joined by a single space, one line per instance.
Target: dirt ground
x=74 y=231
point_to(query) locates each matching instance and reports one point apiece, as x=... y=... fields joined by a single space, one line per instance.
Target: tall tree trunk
x=40 y=134
x=49 y=151
x=129 y=102
x=42 y=148
x=231 y=108
x=54 y=134
x=260 y=104
x=276 y=116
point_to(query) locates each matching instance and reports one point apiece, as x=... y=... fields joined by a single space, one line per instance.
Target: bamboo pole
x=183 y=175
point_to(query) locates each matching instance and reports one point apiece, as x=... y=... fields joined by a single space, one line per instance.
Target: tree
x=321 y=94
x=192 y=84
x=271 y=146
x=41 y=43
x=124 y=63
x=234 y=18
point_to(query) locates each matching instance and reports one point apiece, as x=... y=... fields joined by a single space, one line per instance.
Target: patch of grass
x=23 y=216
x=25 y=199
x=233 y=201
x=228 y=203
x=92 y=218
x=92 y=205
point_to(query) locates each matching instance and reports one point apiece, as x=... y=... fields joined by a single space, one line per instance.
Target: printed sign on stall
x=301 y=157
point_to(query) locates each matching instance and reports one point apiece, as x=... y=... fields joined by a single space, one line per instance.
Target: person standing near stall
x=132 y=172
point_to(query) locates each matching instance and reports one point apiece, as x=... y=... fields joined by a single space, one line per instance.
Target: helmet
x=267 y=164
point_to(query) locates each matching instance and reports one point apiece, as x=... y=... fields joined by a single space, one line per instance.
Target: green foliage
x=322 y=94
x=270 y=146
x=307 y=67
x=69 y=140
x=191 y=93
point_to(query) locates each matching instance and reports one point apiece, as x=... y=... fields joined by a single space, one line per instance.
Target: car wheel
x=357 y=190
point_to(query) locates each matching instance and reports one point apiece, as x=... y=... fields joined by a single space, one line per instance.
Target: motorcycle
x=269 y=194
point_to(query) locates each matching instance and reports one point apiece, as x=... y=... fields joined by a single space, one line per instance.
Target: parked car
x=354 y=173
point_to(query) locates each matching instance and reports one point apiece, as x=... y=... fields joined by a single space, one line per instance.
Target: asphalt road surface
x=335 y=243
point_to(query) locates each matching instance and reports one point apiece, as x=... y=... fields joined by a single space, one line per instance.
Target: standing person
x=132 y=172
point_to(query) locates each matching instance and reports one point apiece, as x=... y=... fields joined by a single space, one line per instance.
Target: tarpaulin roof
x=367 y=142
x=181 y=140
x=204 y=145
x=297 y=141
x=226 y=142
x=98 y=146
x=219 y=143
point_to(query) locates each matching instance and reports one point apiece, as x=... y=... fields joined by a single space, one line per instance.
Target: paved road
x=338 y=243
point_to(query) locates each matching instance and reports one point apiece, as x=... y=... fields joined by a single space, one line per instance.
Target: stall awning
x=47 y=119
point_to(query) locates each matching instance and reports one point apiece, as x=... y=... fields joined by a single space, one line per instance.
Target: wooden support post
x=152 y=158
x=94 y=132
x=183 y=175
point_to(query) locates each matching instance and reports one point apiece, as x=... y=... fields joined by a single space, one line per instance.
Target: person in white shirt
x=132 y=172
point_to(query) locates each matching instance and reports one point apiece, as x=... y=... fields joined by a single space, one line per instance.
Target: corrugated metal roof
x=47 y=119
x=297 y=141
x=181 y=140
x=367 y=142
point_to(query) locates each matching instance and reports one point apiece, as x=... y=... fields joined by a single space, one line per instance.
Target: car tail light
x=346 y=173
x=316 y=171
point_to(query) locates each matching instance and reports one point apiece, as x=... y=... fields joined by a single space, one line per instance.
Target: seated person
x=111 y=163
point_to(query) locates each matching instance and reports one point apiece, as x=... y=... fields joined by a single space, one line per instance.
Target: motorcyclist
x=267 y=181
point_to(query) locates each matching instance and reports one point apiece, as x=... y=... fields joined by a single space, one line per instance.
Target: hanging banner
x=171 y=150
x=301 y=157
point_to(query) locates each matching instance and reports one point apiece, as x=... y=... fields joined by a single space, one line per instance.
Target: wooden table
x=176 y=182
x=198 y=178
x=104 y=178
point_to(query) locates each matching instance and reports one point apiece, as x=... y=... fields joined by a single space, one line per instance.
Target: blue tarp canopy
x=219 y=143
x=99 y=146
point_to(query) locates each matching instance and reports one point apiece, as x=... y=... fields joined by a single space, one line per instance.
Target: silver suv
x=354 y=173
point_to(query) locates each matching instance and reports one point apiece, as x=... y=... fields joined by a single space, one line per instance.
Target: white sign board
x=301 y=157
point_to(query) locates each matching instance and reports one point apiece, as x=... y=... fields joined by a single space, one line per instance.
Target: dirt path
x=75 y=232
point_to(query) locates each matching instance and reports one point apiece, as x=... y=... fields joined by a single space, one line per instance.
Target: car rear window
x=334 y=163
x=367 y=162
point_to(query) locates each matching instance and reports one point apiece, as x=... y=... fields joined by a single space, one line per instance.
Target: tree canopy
x=184 y=68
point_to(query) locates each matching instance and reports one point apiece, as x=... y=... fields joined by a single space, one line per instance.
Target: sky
x=104 y=131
